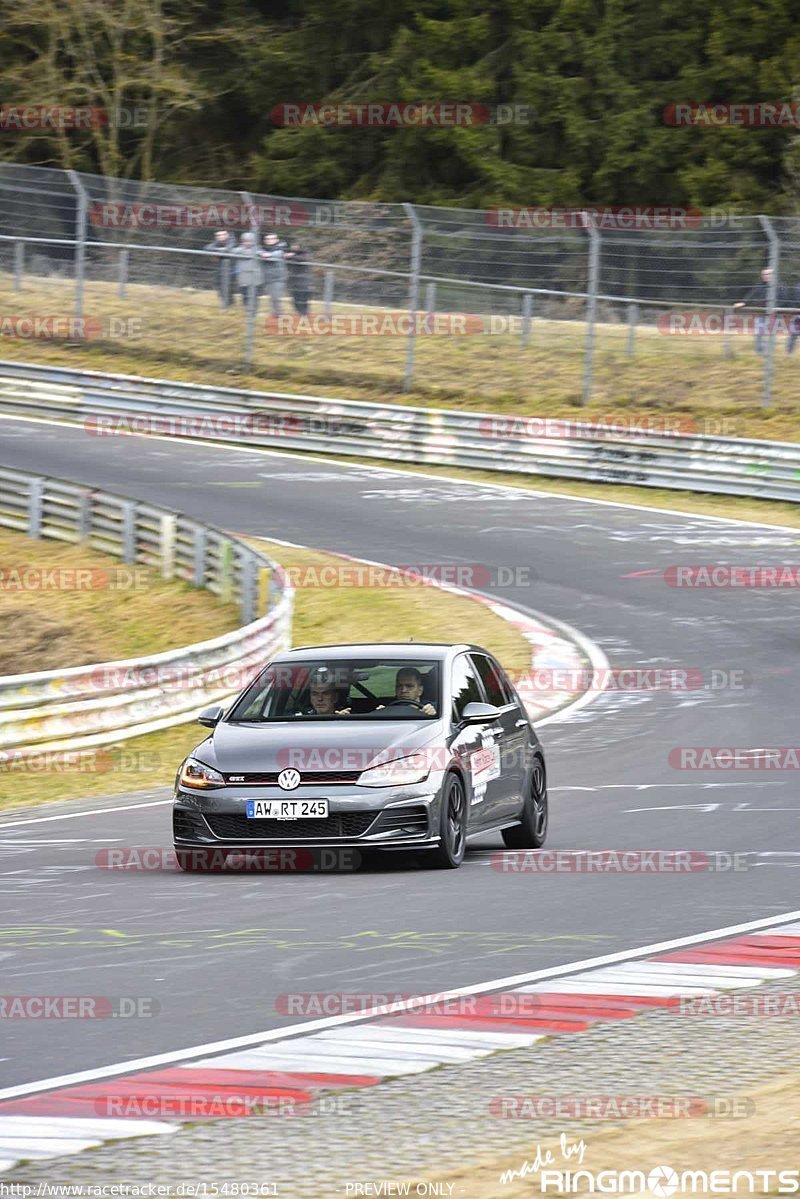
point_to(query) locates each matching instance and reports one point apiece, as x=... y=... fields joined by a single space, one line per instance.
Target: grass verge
x=321 y=616
x=181 y=334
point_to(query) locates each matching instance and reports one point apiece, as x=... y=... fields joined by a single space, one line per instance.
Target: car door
x=513 y=734
x=478 y=745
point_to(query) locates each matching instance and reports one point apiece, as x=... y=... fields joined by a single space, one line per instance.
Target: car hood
x=314 y=746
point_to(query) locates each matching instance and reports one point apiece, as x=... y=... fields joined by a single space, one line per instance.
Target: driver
x=408 y=688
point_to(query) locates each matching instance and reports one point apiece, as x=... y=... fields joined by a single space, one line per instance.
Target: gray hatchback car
x=369 y=747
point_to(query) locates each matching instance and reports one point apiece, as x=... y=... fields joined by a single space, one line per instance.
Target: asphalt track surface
x=215 y=952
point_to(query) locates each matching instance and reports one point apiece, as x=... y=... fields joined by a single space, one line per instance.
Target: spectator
x=300 y=277
x=273 y=263
x=792 y=302
x=248 y=270
x=758 y=297
x=224 y=243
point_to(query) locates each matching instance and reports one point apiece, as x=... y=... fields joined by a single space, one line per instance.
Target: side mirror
x=480 y=714
x=210 y=717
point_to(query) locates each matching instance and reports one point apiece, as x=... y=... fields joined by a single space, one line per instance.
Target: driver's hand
x=428 y=709
x=342 y=711
x=379 y=707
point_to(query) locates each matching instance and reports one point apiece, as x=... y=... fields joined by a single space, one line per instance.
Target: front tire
x=449 y=854
x=531 y=831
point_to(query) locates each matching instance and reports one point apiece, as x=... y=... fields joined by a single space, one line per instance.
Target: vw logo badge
x=289 y=779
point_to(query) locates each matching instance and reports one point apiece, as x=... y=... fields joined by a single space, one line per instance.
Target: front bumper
x=359 y=817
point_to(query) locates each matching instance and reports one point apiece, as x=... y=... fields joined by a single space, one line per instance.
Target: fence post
x=727 y=348
x=328 y=282
x=200 y=543
x=19 y=264
x=252 y=291
x=226 y=571
x=80 y=241
x=430 y=299
x=527 y=316
x=124 y=256
x=633 y=320
x=591 y=305
x=84 y=515
x=168 y=535
x=35 y=507
x=413 y=292
x=772 y=295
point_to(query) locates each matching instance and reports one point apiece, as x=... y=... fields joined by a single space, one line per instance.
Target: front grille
x=413 y=821
x=187 y=825
x=269 y=778
x=338 y=824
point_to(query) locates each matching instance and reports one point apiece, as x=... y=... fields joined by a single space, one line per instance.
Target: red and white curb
x=557 y=649
x=354 y=1050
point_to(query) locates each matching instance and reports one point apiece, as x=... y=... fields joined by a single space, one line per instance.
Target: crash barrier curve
x=107 y=404
x=79 y=707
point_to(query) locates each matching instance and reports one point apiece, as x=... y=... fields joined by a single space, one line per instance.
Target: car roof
x=372 y=649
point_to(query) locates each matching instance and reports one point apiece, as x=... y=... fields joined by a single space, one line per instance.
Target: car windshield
x=352 y=689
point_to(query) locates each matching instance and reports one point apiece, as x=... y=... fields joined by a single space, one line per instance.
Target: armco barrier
x=724 y=465
x=92 y=705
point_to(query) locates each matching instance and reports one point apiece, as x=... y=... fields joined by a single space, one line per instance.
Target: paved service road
x=216 y=952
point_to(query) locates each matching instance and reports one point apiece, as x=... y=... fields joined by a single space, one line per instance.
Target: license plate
x=286 y=809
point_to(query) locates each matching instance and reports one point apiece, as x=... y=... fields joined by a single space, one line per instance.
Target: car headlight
x=401 y=772
x=199 y=776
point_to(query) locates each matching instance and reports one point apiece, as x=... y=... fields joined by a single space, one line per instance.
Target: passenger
x=324 y=697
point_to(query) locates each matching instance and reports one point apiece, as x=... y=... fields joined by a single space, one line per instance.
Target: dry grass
x=183 y=335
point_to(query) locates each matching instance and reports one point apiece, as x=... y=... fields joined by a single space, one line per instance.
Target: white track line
x=272 y=1035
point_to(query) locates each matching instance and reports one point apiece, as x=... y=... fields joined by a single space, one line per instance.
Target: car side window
x=492 y=683
x=466 y=688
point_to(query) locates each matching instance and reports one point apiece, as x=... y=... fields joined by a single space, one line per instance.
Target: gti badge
x=289 y=779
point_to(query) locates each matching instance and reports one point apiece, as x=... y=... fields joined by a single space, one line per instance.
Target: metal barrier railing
x=109 y=404
x=98 y=703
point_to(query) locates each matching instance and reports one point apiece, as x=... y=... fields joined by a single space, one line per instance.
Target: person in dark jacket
x=758 y=297
x=300 y=277
x=273 y=268
x=224 y=243
x=792 y=302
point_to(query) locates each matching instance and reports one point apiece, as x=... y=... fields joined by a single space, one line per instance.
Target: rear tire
x=531 y=831
x=449 y=853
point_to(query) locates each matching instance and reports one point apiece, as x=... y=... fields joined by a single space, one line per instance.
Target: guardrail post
x=128 y=532
x=35 y=507
x=19 y=264
x=527 y=316
x=264 y=576
x=328 y=282
x=84 y=515
x=124 y=257
x=80 y=240
x=633 y=320
x=200 y=546
x=591 y=305
x=247 y=588
x=413 y=292
x=169 y=532
x=226 y=571
x=772 y=295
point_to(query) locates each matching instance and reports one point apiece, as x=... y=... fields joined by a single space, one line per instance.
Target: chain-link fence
x=640 y=304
